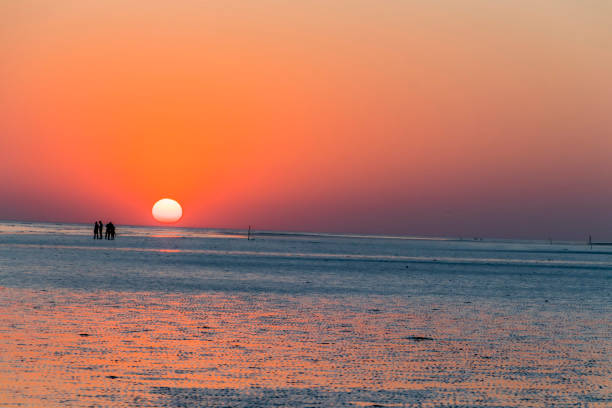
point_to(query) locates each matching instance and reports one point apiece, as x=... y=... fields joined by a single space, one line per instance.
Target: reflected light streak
x=131 y=344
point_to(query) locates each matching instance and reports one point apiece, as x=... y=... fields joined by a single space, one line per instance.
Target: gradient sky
x=454 y=118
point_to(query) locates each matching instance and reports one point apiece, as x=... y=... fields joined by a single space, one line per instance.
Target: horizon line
x=333 y=233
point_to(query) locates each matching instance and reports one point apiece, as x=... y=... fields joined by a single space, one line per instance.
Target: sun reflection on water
x=162 y=349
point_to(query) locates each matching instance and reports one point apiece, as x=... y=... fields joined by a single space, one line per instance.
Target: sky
x=471 y=118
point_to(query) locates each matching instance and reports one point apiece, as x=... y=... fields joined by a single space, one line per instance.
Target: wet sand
x=234 y=331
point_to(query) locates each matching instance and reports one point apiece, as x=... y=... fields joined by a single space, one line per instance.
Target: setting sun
x=167 y=210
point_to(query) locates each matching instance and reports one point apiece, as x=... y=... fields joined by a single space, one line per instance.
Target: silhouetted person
x=112 y=230
x=96 y=227
x=100 y=228
x=107 y=232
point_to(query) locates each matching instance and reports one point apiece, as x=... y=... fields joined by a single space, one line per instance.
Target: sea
x=181 y=317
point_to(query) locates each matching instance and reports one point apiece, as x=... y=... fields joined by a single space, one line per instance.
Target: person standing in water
x=96 y=230
x=111 y=233
x=100 y=228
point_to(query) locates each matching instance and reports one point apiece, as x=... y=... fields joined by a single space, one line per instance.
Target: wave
x=464 y=261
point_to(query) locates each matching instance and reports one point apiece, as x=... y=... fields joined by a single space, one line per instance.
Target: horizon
x=355 y=234
x=446 y=119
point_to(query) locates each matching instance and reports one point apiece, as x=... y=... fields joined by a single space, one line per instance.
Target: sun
x=167 y=210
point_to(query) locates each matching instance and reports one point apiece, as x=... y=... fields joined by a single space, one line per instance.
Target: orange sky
x=472 y=118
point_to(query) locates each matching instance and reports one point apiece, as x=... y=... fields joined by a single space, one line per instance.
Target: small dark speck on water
x=419 y=338
x=112 y=377
x=83 y=334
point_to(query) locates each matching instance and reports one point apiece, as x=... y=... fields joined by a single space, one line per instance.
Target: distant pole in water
x=249 y=234
x=590 y=241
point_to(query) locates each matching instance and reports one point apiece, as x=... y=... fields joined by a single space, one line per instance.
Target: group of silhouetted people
x=99 y=227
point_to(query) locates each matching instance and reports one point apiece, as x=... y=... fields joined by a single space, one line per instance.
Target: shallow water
x=177 y=318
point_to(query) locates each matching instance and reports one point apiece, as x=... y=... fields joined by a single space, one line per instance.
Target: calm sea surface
x=170 y=317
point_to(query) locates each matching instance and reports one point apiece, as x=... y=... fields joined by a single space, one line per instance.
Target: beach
x=177 y=317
